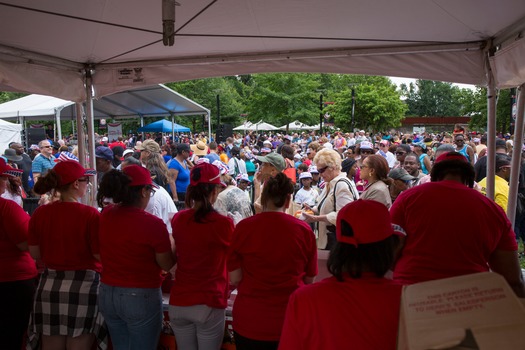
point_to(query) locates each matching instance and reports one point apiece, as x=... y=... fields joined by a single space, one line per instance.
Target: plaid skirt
x=66 y=304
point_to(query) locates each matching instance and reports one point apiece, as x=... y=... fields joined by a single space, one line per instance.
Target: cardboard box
x=478 y=311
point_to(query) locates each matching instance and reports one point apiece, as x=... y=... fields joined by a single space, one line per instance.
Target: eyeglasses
x=322 y=170
x=47 y=146
x=366 y=151
x=151 y=190
x=400 y=153
x=84 y=179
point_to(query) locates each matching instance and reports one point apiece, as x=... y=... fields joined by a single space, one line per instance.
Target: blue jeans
x=133 y=316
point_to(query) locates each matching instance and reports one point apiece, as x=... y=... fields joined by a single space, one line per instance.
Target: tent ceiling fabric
x=150 y=101
x=45 y=46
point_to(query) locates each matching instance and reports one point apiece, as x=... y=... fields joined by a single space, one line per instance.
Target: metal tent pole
x=516 y=157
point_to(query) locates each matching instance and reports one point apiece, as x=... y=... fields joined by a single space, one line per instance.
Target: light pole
x=218 y=130
x=320 y=114
x=352 y=86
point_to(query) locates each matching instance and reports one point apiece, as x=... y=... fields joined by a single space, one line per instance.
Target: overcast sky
x=407 y=81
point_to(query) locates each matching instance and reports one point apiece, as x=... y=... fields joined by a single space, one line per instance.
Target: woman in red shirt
x=357 y=308
x=134 y=249
x=18 y=272
x=272 y=254
x=200 y=291
x=63 y=234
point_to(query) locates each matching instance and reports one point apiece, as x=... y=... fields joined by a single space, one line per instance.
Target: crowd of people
x=249 y=213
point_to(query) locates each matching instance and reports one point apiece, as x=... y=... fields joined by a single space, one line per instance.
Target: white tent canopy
x=119 y=42
x=9 y=132
x=263 y=126
x=245 y=126
x=295 y=125
x=157 y=100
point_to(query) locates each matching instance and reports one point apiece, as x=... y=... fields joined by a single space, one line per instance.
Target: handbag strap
x=349 y=187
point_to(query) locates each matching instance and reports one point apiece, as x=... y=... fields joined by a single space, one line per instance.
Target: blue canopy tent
x=163 y=126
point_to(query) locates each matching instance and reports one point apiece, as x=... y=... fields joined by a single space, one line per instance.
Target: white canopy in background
x=9 y=132
x=158 y=100
x=263 y=126
x=295 y=125
x=245 y=126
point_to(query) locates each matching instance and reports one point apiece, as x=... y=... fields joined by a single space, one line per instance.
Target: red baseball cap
x=7 y=170
x=139 y=175
x=70 y=171
x=205 y=173
x=365 y=221
x=453 y=155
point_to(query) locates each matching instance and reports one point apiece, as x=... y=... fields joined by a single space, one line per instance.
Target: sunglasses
x=366 y=151
x=400 y=153
x=47 y=146
x=322 y=170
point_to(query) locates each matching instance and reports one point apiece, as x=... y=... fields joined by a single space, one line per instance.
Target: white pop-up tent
x=157 y=100
x=76 y=51
x=296 y=125
x=9 y=132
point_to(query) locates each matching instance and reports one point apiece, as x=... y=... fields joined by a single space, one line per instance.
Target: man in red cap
x=448 y=242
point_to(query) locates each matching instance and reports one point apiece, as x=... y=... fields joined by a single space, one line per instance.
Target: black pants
x=331 y=240
x=242 y=343
x=16 y=303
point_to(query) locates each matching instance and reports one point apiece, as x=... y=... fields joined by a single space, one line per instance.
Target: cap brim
x=262 y=159
x=13 y=172
x=398 y=230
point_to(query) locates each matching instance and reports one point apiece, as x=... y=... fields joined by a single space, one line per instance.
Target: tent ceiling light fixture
x=168 y=22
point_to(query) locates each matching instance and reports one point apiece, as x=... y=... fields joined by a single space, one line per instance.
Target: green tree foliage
x=478 y=110
x=433 y=98
x=8 y=96
x=231 y=91
x=377 y=106
x=282 y=98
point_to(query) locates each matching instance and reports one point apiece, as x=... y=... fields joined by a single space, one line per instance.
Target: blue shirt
x=183 y=178
x=41 y=164
x=213 y=157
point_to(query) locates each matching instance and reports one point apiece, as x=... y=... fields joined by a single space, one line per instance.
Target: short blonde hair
x=328 y=157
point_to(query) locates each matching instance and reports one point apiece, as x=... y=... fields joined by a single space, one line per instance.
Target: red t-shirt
x=274 y=251
x=357 y=314
x=66 y=233
x=452 y=230
x=16 y=265
x=130 y=238
x=201 y=249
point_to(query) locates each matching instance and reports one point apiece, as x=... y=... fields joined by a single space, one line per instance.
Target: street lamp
x=352 y=86
x=321 y=114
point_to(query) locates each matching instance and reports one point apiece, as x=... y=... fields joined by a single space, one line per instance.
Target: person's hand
x=257 y=178
x=309 y=218
x=235 y=216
